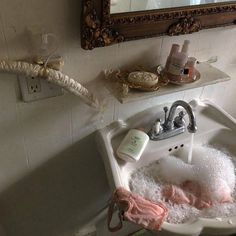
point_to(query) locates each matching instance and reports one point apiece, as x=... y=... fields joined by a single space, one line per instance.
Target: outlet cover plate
x=33 y=89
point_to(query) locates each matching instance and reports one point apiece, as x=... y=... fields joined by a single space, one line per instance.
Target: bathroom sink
x=215 y=128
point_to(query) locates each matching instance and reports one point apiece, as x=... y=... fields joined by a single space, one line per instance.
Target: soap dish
x=121 y=77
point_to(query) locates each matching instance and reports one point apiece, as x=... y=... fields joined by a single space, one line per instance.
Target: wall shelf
x=209 y=75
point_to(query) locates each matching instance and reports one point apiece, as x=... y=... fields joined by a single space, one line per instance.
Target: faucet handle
x=156 y=129
x=157 y=126
x=166 y=109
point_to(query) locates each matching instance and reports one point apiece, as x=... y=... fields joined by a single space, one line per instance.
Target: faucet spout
x=192 y=127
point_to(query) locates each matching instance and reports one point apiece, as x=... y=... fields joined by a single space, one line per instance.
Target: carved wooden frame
x=99 y=28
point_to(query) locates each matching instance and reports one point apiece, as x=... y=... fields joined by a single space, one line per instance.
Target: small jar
x=190 y=65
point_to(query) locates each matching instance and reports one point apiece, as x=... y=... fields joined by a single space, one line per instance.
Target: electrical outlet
x=35 y=88
x=33 y=84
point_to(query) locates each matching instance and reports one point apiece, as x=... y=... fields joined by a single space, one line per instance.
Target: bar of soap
x=142 y=78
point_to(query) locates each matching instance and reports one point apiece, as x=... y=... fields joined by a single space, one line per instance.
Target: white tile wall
x=13 y=153
x=148 y=53
x=46 y=128
x=52 y=179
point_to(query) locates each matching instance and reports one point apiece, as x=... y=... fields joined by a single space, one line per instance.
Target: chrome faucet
x=173 y=125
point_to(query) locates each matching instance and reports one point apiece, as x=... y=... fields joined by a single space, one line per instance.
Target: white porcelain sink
x=215 y=127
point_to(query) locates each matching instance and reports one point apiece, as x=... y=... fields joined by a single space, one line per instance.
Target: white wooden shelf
x=209 y=75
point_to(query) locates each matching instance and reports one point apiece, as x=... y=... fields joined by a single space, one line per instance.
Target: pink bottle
x=174 y=49
x=177 y=62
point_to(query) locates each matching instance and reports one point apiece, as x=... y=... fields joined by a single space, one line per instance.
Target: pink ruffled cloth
x=151 y=215
x=191 y=193
x=136 y=209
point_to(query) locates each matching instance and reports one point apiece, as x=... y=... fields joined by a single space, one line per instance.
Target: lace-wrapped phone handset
x=51 y=75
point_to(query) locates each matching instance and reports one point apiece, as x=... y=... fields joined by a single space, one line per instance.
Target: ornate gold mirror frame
x=99 y=28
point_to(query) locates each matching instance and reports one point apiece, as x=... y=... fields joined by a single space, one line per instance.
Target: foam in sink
x=212 y=169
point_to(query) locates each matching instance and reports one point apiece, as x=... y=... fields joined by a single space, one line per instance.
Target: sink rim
x=104 y=138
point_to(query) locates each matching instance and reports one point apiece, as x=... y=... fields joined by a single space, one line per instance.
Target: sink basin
x=215 y=127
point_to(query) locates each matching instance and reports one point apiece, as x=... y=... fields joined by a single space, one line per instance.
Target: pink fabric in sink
x=191 y=193
x=136 y=209
x=188 y=193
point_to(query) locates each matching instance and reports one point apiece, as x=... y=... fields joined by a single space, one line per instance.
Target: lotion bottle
x=174 y=49
x=133 y=145
x=179 y=60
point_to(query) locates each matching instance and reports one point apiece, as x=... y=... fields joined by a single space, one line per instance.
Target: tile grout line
x=161 y=48
x=4 y=35
x=71 y=126
x=17 y=106
x=18 y=117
